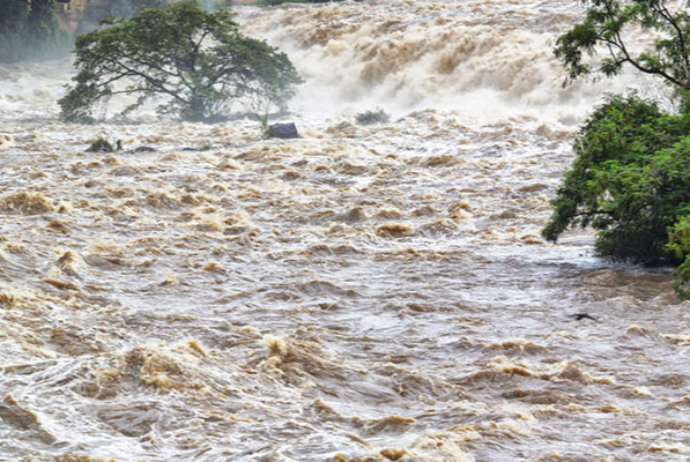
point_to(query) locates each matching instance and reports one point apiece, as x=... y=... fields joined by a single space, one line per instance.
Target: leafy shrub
x=631 y=182
x=679 y=244
x=103 y=145
x=379 y=116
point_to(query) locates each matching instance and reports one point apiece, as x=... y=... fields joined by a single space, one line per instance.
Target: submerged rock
x=283 y=131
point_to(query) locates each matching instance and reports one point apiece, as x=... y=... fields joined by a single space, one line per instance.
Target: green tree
x=630 y=180
x=197 y=62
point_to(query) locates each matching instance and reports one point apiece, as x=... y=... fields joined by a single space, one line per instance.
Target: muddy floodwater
x=363 y=293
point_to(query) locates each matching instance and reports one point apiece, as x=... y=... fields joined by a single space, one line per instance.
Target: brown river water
x=359 y=294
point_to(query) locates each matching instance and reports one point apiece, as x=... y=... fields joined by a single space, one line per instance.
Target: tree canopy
x=606 y=24
x=611 y=25
x=189 y=62
x=630 y=180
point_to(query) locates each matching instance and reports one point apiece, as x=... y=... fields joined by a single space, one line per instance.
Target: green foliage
x=197 y=62
x=29 y=30
x=606 y=24
x=103 y=145
x=631 y=182
x=379 y=116
x=679 y=245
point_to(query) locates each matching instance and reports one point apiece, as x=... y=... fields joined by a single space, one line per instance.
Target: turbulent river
x=359 y=294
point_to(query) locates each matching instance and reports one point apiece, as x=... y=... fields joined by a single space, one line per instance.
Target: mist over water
x=360 y=294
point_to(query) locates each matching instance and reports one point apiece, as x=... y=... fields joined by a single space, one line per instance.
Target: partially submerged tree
x=631 y=178
x=194 y=64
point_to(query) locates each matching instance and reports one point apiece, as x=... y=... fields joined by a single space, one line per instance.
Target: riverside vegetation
x=378 y=116
x=631 y=178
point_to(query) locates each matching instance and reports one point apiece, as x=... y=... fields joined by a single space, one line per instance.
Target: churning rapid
x=360 y=294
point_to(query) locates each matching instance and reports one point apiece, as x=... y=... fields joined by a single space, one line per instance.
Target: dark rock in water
x=144 y=149
x=283 y=131
x=188 y=149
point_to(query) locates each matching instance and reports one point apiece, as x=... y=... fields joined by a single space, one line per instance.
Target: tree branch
x=151 y=80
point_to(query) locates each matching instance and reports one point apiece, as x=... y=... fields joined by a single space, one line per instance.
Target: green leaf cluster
x=378 y=116
x=189 y=62
x=631 y=182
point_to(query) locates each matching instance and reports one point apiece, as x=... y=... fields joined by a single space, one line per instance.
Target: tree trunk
x=196 y=110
